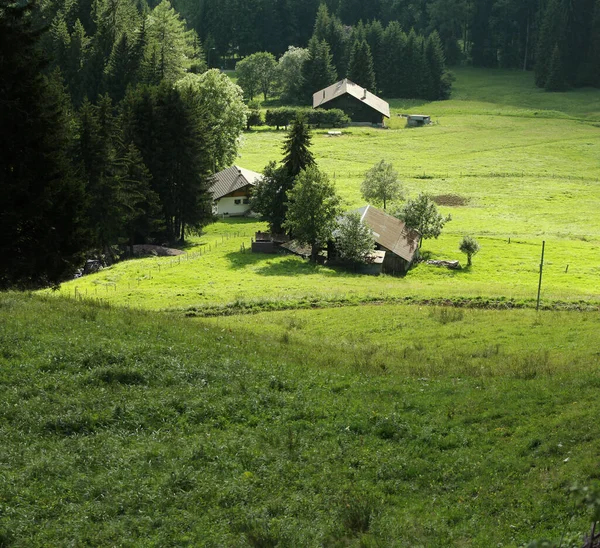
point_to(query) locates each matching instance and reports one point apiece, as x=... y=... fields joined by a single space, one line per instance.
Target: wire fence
x=149 y=271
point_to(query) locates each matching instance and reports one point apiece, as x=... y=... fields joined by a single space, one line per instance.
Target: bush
x=282 y=117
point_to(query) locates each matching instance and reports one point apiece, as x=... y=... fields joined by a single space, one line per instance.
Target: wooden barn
x=401 y=244
x=231 y=191
x=362 y=106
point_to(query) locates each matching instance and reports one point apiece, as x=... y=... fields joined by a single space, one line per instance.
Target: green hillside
x=364 y=426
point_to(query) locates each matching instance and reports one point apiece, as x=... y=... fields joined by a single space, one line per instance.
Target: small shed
x=362 y=106
x=391 y=235
x=231 y=190
x=418 y=120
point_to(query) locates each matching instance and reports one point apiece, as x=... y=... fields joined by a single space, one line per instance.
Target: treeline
x=383 y=60
x=486 y=33
x=126 y=159
x=104 y=46
x=568 y=48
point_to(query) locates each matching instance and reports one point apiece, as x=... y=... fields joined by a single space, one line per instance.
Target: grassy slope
x=440 y=428
x=526 y=161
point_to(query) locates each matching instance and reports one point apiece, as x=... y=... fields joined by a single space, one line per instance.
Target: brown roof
x=346 y=86
x=231 y=179
x=390 y=232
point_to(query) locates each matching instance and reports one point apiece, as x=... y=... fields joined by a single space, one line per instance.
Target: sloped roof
x=232 y=179
x=390 y=232
x=346 y=86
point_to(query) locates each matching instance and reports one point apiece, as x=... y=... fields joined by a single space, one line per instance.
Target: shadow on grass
x=281 y=265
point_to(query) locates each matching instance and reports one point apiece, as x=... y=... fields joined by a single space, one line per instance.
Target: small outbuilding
x=362 y=106
x=400 y=243
x=231 y=190
x=418 y=120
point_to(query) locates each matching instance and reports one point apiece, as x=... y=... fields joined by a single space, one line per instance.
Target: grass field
x=314 y=421
x=440 y=427
x=524 y=176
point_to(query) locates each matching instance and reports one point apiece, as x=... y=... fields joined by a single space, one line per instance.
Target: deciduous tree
x=313 y=208
x=381 y=184
x=353 y=239
x=257 y=72
x=469 y=246
x=422 y=214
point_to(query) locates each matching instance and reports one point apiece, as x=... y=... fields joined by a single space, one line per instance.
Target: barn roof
x=346 y=86
x=390 y=232
x=232 y=179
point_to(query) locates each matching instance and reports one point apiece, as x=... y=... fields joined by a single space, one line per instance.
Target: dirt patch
x=452 y=200
x=156 y=250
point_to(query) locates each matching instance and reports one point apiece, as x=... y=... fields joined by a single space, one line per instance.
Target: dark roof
x=390 y=232
x=346 y=86
x=231 y=179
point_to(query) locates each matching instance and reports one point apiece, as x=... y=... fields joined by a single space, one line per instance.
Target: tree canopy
x=422 y=214
x=313 y=208
x=381 y=184
x=354 y=240
x=41 y=208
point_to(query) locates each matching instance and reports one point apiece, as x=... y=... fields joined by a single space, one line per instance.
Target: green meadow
x=513 y=166
x=360 y=426
x=224 y=398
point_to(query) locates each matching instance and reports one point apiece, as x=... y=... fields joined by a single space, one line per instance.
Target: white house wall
x=227 y=206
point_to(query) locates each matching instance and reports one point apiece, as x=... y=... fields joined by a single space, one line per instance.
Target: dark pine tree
x=594 y=50
x=556 y=80
x=551 y=32
x=296 y=148
x=318 y=71
x=141 y=215
x=330 y=29
x=394 y=45
x=360 y=69
x=40 y=194
x=434 y=58
x=374 y=37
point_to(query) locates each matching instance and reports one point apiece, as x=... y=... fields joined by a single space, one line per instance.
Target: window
x=238 y=202
x=246 y=200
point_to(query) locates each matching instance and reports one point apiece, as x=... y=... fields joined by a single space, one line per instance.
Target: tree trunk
x=314 y=251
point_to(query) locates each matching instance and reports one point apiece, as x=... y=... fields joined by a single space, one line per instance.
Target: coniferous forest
x=121 y=99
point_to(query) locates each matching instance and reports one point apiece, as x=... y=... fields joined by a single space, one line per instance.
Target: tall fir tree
x=140 y=211
x=394 y=44
x=556 y=79
x=41 y=196
x=374 y=36
x=318 y=71
x=296 y=148
x=330 y=29
x=551 y=33
x=360 y=69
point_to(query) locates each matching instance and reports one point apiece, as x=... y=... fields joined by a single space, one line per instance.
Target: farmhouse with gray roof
x=400 y=243
x=362 y=106
x=231 y=189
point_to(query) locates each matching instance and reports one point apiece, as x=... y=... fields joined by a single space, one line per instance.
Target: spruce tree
x=120 y=69
x=394 y=45
x=556 y=80
x=360 y=69
x=551 y=32
x=296 y=148
x=434 y=58
x=374 y=36
x=139 y=205
x=593 y=64
x=330 y=29
x=40 y=194
x=318 y=71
